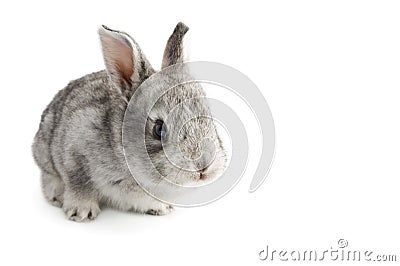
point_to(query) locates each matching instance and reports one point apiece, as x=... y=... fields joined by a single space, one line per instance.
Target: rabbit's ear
x=173 y=52
x=125 y=64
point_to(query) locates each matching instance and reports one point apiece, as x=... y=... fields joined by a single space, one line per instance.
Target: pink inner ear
x=120 y=58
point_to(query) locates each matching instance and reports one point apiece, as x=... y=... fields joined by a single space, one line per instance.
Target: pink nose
x=202 y=176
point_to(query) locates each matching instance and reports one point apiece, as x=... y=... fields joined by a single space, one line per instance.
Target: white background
x=330 y=73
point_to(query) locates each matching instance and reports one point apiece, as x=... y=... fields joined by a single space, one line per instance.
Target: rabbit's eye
x=159 y=130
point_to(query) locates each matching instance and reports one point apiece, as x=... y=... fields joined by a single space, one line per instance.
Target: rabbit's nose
x=202 y=174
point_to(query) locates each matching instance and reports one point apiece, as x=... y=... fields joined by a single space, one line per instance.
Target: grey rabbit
x=78 y=146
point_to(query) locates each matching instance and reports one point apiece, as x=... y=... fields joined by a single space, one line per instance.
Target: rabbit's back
x=78 y=124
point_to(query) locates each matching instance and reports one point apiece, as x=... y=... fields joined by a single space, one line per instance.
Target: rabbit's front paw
x=82 y=211
x=163 y=210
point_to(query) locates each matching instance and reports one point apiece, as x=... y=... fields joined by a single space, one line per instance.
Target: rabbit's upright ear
x=173 y=52
x=126 y=66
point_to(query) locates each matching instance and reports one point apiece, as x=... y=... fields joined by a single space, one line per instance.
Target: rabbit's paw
x=53 y=189
x=162 y=210
x=82 y=211
x=56 y=200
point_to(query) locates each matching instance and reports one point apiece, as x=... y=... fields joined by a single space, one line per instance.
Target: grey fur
x=173 y=52
x=78 y=146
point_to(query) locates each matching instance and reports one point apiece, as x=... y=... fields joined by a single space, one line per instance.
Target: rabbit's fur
x=78 y=146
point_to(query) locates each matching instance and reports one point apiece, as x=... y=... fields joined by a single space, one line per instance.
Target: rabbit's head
x=181 y=137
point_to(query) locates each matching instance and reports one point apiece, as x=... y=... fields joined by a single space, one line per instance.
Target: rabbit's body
x=80 y=138
x=79 y=143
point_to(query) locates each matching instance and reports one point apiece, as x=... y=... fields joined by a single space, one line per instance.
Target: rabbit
x=78 y=146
